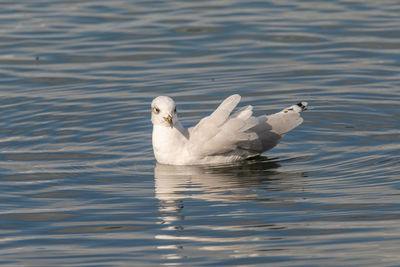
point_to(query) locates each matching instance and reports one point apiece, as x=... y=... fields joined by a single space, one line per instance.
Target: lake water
x=79 y=183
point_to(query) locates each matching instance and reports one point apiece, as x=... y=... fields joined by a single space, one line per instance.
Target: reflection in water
x=220 y=188
x=211 y=183
x=171 y=180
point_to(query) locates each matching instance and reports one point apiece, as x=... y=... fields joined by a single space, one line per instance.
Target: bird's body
x=222 y=137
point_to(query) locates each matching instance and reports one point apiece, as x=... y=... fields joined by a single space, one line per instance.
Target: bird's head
x=163 y=111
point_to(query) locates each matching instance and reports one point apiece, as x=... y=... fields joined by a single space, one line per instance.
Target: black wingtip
x=302 y=105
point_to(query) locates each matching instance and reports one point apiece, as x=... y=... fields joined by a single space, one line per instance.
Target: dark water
x=78 y=182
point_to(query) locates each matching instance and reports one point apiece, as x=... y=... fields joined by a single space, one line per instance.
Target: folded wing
x=240 y=134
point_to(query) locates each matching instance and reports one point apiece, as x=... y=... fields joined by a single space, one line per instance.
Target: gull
x=222 y=137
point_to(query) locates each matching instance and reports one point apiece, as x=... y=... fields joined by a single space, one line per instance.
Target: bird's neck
x=169 y=141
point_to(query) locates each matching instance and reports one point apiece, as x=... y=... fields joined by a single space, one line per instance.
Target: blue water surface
x=79 y=183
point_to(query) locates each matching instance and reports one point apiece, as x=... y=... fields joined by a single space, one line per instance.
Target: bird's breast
x=169 y=145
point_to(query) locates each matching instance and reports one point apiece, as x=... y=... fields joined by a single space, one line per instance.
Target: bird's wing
x=287 y=119
x=221 y=132
x=271 y=128
x=209 y=126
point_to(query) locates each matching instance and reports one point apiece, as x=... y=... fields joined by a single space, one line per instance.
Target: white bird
x=221 y=137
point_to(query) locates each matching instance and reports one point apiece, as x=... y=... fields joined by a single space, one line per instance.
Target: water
x=79 y=183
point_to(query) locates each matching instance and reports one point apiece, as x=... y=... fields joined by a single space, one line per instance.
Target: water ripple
x=79 y=182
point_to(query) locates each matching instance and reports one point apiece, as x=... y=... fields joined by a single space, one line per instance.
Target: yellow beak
x=169 y=120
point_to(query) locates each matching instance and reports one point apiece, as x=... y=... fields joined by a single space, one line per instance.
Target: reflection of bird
x=221 y=137
x=173 y=183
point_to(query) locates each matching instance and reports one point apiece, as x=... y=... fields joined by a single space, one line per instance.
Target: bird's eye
x=156 y=110
x=175 y=110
